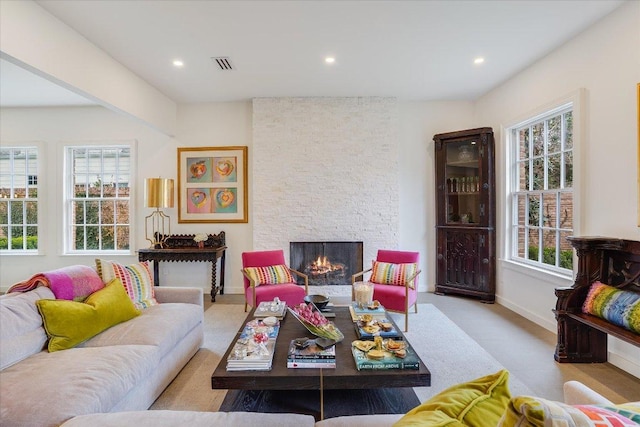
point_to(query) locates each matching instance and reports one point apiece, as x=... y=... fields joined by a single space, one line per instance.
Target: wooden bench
x=582 y=338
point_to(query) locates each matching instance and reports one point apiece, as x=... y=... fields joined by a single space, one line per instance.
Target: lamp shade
x=158 y=193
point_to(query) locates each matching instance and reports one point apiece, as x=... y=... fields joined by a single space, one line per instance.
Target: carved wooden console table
x=181 y=248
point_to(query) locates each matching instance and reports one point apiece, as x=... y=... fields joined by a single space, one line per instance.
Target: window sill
x=538 y=273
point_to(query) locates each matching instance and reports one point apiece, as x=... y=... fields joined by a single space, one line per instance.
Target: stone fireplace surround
x=325 y=169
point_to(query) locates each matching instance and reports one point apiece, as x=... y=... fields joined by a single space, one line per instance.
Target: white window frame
x=41 y=199
x=67 y=212
x=575 y=100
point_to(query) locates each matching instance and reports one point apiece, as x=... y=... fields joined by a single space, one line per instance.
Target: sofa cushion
x=387 y=273
x=614 y=305
x=535 y=411
x=166 y=418
x=480 y=402
x=136 y=278
x=69 y=323
x=21 y=331
x=271 y=275
x=162 y=325
x=67 y=383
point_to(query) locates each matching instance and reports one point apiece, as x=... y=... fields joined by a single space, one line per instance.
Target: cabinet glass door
x=462 y=182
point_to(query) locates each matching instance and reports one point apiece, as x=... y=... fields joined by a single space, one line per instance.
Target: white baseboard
x=527 y=314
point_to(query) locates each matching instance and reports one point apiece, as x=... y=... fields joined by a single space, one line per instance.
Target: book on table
x=386 y=358
x=357 y=312
x=378 y=326
x=254 y=349
x=310 y=355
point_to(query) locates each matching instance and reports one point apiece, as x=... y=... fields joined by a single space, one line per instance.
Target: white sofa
x=124 y=368
x=574 y=393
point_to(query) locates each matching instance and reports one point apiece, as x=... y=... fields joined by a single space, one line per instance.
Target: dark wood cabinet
x=465 y=223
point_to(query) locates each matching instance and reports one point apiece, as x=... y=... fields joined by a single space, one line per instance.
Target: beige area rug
x=451 y=355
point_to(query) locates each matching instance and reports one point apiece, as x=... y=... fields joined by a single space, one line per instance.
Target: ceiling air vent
x=224 y=63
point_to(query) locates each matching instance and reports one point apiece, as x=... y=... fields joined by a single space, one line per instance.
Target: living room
x=597 y=66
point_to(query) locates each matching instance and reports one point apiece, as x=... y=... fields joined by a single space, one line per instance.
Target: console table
x=183 y=248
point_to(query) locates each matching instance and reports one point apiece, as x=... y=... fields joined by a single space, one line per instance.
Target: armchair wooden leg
x=416 y=306
x=245 y=306
x=406 y=321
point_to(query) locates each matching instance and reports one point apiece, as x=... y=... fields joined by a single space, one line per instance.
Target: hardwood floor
x=522 y=347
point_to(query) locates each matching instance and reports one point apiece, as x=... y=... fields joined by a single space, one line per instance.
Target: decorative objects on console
x=158 y=193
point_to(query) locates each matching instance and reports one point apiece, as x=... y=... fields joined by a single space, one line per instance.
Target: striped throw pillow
x=271 y=275
x=393 y=274
x=614 y=305
x=136 y=278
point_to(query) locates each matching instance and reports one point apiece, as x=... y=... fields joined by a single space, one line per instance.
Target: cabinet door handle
x=485 y=260
x=440 y=257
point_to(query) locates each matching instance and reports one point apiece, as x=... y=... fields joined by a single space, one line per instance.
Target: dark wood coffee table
x=344 y=377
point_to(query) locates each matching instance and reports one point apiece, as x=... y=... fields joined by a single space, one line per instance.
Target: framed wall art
x=212 y=184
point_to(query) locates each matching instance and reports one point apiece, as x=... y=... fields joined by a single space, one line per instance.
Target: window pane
x=17 y=216
x=568 y=169
x=107 y=212
x=566 y=251
x=523 y=144
x=521 y=242
x=534 y=209
x=523 y=175
x=549 y=206
x=122 y=233
x=93 y=237
x=555 y=133
x=108 y=238
x=32 y=237
x=93 y=212
x=78 y=212
x=566 y=210
x=534 y=247
x=538 y=174
x=4 y=212
x=4 y=237
x=520 y=203
x=549 y=250
x=538 y=139
x=32 y=213
x=122 y=212
x=568 y=143
x=554 y=168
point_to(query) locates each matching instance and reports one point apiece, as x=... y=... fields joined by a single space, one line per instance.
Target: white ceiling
x=413 y=50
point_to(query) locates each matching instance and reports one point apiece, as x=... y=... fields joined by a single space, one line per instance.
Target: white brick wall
x=325 y=169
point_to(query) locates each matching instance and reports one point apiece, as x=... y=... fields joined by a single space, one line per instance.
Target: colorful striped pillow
x=271 y=275
x=393 y=274
x=535 y=411
x=136 y=278
x=614 y=305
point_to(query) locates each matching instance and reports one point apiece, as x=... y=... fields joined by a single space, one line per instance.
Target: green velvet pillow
x=68 y=323
x=477 y=403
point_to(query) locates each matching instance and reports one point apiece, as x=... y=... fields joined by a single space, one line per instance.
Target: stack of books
x=268 y=309
x=312 y=356
x=357 y=311
x=254 y=349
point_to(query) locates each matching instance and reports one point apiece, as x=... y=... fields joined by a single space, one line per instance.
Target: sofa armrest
x=166 y=294
x=576 y=393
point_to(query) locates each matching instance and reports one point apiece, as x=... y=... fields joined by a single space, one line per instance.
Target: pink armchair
x=394 y=275
x=266 y=276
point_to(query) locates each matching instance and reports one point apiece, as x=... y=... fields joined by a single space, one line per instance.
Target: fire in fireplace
x=326 y=263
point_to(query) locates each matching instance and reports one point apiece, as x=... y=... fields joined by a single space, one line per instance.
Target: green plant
x=16 y=242
x=549 y=256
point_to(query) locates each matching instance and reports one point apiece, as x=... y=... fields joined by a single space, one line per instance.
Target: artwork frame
x=213 y=184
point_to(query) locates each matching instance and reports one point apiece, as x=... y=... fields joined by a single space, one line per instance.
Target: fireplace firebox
x=326 y=263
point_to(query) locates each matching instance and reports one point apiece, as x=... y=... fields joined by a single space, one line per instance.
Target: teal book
x=389 y=361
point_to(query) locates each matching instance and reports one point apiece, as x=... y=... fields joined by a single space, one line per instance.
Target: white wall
x=604 y=61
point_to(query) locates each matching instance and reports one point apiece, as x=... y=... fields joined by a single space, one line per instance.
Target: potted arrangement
x=200 y=238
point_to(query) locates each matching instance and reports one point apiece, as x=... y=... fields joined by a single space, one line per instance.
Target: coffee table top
x=344 y=376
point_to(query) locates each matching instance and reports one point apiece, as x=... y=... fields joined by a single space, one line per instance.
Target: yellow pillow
x=480 y=402
x=68 y=323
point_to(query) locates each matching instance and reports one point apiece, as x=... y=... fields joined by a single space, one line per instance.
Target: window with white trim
x=542 y=190
x=97 y=198
x=18 y=198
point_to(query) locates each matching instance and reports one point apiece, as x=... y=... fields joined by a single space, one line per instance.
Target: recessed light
x=478 y=60
x=178 y=63
x=329 y=59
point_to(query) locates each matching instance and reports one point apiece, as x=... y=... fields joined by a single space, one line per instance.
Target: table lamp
x=158 y=193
